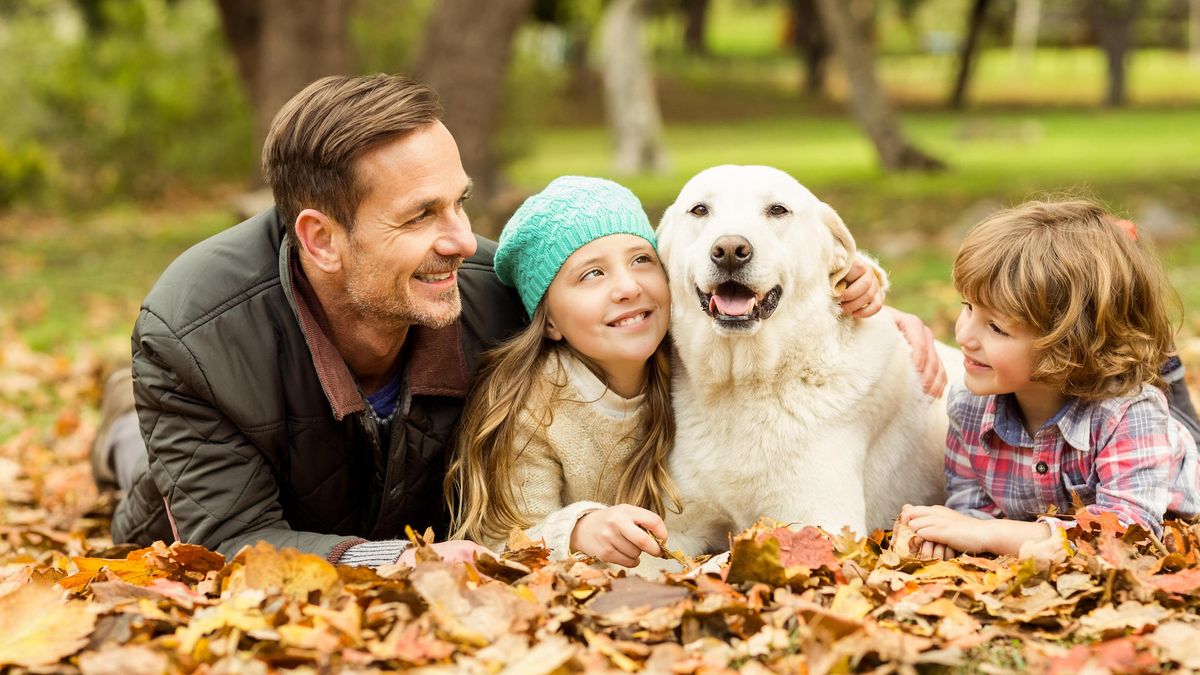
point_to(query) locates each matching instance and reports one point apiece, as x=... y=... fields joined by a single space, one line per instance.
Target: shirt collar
x=437 y=365
x=1002 y=416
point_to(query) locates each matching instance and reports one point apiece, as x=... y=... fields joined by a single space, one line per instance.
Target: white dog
x=785 y=407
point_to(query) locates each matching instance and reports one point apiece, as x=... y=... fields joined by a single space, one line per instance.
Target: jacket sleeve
x=217 y=488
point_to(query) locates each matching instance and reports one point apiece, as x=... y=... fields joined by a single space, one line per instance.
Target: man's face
x=410 y=232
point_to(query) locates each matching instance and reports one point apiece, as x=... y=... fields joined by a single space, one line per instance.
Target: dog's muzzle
x=736 y=305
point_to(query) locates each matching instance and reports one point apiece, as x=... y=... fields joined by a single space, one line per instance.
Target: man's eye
x=777 y=210
x=699 y=210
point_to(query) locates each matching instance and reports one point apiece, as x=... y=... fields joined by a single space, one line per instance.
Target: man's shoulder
x=218 y=273
x=490 y=310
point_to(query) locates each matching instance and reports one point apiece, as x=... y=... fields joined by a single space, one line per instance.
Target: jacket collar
x=437 y=365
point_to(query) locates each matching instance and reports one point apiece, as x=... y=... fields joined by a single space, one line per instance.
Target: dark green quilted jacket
x=254 y=426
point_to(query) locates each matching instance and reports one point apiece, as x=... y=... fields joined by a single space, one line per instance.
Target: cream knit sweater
x=580 y=435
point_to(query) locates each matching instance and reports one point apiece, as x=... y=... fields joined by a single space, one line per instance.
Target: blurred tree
x=629 y=97
x=1025 y=33
x=967 y=51
x=847 y=21
x=281 y=46
x=1112 y=21
x=465 y=55
x=809 y=38
x=695 y=25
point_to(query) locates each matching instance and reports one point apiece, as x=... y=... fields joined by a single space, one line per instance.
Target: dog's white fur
x=807 y=416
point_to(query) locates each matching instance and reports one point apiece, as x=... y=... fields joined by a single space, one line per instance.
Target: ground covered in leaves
x=795 y=600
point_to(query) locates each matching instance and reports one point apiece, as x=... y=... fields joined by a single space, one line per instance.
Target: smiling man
x=298 y=376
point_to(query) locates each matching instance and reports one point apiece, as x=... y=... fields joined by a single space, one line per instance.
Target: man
x=298 y=377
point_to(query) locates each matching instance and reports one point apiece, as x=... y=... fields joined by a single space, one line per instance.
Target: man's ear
x=321 y=239
x=843 y=245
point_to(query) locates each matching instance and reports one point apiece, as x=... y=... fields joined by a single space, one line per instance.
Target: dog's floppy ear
x=663 y=233
x=843 y=247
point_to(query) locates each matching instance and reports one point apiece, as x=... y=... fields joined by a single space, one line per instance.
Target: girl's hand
x=616 y=534
x=924 y=351
x=864 y=294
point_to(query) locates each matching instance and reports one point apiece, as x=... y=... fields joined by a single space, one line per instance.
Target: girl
x=1064 y=323
x=569 y=425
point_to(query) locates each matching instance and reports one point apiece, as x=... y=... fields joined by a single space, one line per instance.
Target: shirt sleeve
x=965 y=492
x=1133 y=469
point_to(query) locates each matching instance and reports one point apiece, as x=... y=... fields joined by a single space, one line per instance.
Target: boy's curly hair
x=1098 y=300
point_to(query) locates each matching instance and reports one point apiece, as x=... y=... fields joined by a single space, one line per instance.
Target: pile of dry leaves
x=797 y=600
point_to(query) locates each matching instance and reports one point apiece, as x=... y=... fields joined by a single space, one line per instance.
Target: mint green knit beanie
x=554 y=223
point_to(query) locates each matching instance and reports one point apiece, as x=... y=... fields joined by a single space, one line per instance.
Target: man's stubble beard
x=397 y=309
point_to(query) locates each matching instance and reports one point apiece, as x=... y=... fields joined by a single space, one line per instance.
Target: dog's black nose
x=731 y=252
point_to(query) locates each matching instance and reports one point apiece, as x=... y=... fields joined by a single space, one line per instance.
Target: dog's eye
x=699 y=210
x=777 y=210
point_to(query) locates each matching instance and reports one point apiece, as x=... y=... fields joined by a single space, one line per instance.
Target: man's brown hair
x=309 y=157
x=1098 y=301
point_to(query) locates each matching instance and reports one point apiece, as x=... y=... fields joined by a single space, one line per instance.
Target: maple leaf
x=289 y=571
x=1184 y=582
x=781 y=556
x=38 y=626
x=1105 y=521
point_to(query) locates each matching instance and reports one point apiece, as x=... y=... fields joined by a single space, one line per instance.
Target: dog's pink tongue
x=734 y=306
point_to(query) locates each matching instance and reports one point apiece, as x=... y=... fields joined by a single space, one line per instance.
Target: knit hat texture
x=554 y=223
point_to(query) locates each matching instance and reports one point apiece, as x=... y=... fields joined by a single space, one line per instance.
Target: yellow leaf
x=39 y=627
x=289 y=571
x=850 y=602
x=130 y=571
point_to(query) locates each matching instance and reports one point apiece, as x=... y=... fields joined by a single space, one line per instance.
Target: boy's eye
x=997 y=329
x=966 y=305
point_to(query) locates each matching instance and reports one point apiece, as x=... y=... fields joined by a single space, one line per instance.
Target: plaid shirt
x=1126 y=455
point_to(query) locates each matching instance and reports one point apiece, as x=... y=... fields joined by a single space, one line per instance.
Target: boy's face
x=997 y=352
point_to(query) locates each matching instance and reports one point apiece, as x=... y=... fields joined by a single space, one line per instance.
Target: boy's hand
x=939 y=551
x=616 y=534
x=938 y=525
x=863 y=296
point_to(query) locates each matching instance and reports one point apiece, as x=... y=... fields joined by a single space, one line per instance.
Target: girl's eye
x=777 y=210
x=643 y=258
x=591 y=274
x=699 y=210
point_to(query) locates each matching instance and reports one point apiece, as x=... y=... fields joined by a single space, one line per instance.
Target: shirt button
x=1041 y=467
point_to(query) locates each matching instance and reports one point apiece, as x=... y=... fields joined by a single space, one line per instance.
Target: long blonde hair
x=479 y=484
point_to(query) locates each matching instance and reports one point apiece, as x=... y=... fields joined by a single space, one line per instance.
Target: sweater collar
x=437 y=365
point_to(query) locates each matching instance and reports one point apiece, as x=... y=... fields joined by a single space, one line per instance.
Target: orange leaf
x=130 y=571
x=1184 y=582
x=39 y=627
x=1105 y=520
x=290 y=571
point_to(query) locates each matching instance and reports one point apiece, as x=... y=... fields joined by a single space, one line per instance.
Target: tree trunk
x=695 y=25
x=1194 y=31
x=1112 y=21
x=867 y=101
x=966 y=55
x=465 y=56
x=281 y=46
x=810 y=40
x=1025 y=32
x=629 y=95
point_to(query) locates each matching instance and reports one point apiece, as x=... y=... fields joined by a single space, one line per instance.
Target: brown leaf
x=128 y=660
x=1184 y=582
x=38 y=626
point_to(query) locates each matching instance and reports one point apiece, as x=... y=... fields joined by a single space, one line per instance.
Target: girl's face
x=610 y=303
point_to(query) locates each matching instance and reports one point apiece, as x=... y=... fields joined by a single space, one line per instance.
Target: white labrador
x=785 y=407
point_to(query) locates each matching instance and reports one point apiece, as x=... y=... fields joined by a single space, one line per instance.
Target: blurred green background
x=128 y=132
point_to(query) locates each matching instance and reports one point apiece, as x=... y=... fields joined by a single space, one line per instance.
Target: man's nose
x=456 y=238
